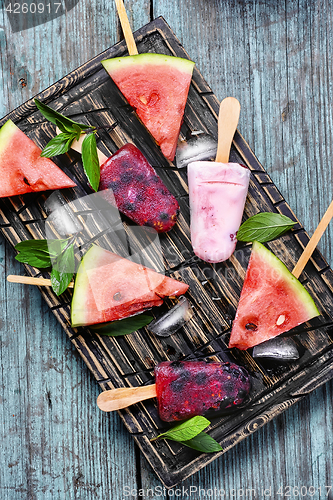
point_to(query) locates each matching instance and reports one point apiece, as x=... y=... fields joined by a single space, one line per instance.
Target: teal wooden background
x=276 y=58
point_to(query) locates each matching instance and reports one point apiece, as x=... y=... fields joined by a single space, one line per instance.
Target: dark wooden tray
x=89 y=95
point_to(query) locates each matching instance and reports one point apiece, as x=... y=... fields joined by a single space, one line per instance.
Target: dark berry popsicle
x=138 y=191
x=185 y=389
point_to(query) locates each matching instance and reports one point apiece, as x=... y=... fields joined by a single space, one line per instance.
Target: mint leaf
x=263 y=227
x=122 y=326
x=58 y=119
x=32 y=245
x=63 y=270
x=58 y=145
x=49 y=247
x=186 y=430
x=203 y=442
x=41 y=260
x=90 y=160
x=60 y=281
x=78 y=131
x=46 y=253
x=63 y=127
x=190 y=433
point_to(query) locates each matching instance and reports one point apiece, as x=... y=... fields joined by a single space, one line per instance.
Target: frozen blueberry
x=129 y=206
x=127 y=177
x=201 y=378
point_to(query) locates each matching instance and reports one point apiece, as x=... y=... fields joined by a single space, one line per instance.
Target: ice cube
x=278 y=349
x=92 y=218
x=200 y=146
x=61 y=216
x=172 y=320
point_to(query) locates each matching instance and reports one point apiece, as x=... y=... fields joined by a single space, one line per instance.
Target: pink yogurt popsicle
x=217 y=194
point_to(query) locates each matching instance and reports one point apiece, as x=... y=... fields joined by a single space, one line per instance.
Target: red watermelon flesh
x=22 y=168
x=272 y=301
x=137 y=190
x=156 y=86
x=109 y=287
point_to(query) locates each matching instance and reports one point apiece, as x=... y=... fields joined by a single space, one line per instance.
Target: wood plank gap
x=60 y=306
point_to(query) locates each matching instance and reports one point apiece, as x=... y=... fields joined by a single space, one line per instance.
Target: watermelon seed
x=280 y=320
x=251 y=326
x=117 y=296
x=25 y=180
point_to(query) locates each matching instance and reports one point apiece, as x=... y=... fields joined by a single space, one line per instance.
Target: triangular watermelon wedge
x=272 y=301
x=109 y=287
x=156 y=86
x=22 y=169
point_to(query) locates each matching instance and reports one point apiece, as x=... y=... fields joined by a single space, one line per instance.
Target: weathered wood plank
x=53 y=434
x=55 y=442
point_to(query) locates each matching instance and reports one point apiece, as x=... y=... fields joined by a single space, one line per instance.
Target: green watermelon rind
x=297 y=287
x=6 y=133
x=90 y=260
x=183 y=65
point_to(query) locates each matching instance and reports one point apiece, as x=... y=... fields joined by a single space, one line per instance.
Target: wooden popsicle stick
x=313 y=242
x=227 y=125
x=129 y=38
x=29 y=280
x=116 y=399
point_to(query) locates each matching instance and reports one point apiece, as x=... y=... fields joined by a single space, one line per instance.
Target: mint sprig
x=263 y=227
x=58 y=119
x=43 y=254
x=203 y=442
x=190 y=433
x=58 y=145
x=70 y=131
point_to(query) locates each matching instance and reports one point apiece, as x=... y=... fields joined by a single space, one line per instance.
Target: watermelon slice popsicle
x=22 y=169
x=185 y=389
x=155 y=85
x=217 y=192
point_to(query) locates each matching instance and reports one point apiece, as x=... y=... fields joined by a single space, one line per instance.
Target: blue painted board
x=276 y=57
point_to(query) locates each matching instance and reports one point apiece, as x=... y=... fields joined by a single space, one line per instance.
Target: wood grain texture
x=270 y=43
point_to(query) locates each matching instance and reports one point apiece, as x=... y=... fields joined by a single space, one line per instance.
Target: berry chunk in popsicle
x=217 y=193
x=138 y=191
